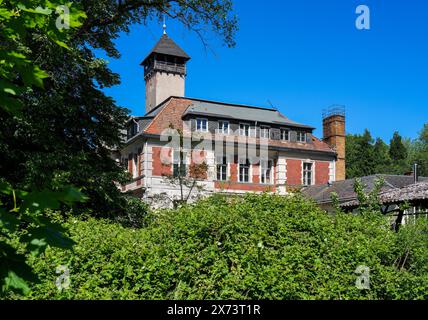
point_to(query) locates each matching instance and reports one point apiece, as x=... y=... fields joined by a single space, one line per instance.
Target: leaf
x=42 y=236
x=38 y=10
x=12 y=280
x=14 y=271
x=33 y=75
x=39 y=201
x=58 y=37
x=11 y=105
x=71 y=195
x=8 y=221
x=5 y=188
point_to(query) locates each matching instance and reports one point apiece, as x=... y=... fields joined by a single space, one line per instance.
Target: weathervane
x=164 y=24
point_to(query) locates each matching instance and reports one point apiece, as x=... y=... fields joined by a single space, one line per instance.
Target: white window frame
x=288 y=134
x=221 y=128
x=312 y=163
x=264 y=169
x=263 y=130
x=242 y=131
x=201 y=129
x=222 y=164
x=249 y=172
x=185 y=160
x=305 y=136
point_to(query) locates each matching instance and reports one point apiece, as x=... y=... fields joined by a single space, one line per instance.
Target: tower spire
x=164 y=24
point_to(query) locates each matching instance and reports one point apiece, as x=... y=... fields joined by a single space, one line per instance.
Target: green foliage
x=397 y=150
x=380 y=158
x=368 y=202
x=25 y=230
x=258 y=247
x=419 y=151
x=136 y=213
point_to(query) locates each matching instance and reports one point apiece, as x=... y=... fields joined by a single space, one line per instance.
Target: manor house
x=293 y=156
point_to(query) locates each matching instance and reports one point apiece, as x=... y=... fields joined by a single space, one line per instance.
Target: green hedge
x=258 y=247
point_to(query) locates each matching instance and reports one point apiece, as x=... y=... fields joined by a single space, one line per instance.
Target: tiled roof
x=239 y=112
x=167 y=46
x=413 y=192
x=173 y=109
x=345 y=189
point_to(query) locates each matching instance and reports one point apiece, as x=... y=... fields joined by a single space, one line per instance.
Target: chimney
x=415 y=173
x=334 y=134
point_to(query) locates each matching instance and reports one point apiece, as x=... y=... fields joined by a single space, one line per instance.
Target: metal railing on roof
x=334 y=110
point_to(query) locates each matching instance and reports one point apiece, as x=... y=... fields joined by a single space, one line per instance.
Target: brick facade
x=294 y=172
x=159 y=168
x=322 y=172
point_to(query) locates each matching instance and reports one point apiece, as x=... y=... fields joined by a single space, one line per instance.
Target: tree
x=25 y=229
x=420 y=151
x=360 y=155
x=68 y=130
x=381 y=156
x=185 y=176
x=397 y=150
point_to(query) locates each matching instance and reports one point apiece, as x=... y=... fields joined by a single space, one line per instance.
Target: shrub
x=258 y=247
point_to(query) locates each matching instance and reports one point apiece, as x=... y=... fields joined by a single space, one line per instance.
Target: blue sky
x=303 y=56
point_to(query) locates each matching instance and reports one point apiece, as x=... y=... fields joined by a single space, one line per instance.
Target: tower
x=334 y=134
x=164 y=72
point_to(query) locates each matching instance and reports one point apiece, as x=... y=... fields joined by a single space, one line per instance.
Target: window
x=264 y=132
x=221 y=168
x=308 y=173
x=301 y=136
x=202 y=125
x=285 y=134
x=266 y=171
x=244 y=171
x=244 y=129
x=132 y=130
x=223 y=127
x=179 y=163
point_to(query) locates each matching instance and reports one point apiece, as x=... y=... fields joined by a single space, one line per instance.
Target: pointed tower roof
x=167 y=46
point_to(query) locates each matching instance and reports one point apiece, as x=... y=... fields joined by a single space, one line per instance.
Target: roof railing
x=334 y=110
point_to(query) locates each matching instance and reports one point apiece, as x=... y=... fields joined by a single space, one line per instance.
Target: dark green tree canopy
x=363 y=157
x=397 y=150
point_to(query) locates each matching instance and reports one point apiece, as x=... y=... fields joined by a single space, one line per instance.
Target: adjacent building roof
x=345 y=189
x=167 y=46
x=412 y=193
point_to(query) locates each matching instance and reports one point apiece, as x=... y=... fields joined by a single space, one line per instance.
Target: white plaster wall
x=161 y=86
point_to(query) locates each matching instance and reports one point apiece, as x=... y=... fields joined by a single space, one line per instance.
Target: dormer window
x=132 y=130
x=223 y=127
x=301 y=136
x=244 y=129
x=202 y=125
x=285 y=135
x=264 y=132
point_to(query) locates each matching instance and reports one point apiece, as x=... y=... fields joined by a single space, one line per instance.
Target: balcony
x=166 y=67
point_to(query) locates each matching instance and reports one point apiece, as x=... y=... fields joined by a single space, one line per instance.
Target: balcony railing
x=167 y=67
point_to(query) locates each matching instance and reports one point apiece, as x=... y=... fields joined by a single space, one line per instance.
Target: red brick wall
x=294 y=172
x=256 y=173
x=130 y=163
x=160 y=169
x=321 y=172
x=198 y=158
